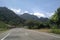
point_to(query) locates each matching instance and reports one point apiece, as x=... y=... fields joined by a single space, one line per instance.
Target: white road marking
x=5 y=36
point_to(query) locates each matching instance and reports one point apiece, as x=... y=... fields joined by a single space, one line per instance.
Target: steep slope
x=8 y=16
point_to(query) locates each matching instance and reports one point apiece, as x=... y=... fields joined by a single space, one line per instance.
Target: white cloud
x=17 y=11
x=42 y=14
x=39 y=14
x=52 y=14
x=26 y=12
x=49 y=14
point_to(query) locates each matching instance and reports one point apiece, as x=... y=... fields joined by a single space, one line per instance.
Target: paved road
x=24 y=34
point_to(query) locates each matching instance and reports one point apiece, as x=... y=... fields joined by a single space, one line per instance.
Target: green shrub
x=3 y=25
x=55 y=29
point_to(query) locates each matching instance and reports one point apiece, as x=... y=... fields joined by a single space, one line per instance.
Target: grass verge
x=43 y=30
x=57 y=31
x=3 y=30
x=3 y=27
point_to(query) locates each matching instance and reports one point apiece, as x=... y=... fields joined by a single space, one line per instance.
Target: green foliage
x=3 y=25
x=56 y=18
x=29 y=23
x=54 y=29
x=57 y=31
x=36 y=24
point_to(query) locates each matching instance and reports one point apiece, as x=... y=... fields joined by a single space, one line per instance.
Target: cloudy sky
x=40 y=8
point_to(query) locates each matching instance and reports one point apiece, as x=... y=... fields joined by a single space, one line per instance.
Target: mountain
x=8 y=16
x=27 y=16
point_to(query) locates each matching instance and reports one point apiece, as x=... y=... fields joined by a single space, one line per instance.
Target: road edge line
x=5 y=36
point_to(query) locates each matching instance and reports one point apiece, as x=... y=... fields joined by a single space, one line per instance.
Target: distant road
x=24 y=34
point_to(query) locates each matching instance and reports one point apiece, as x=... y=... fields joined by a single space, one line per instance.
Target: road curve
x=24 y=34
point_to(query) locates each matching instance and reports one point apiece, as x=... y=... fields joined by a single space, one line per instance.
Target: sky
x=40 y=8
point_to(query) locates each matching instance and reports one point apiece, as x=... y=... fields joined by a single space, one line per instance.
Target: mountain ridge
x=27 y=16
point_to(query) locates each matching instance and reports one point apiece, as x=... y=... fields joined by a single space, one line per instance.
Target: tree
x=29 y=23
x=56 y=18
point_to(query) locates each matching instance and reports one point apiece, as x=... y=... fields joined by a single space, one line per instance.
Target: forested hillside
x=9 y=17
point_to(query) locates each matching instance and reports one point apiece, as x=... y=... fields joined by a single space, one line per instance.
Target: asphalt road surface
x=25 y=34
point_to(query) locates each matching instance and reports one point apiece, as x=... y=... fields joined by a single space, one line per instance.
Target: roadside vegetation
x=3 y=27
x=55 y=30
